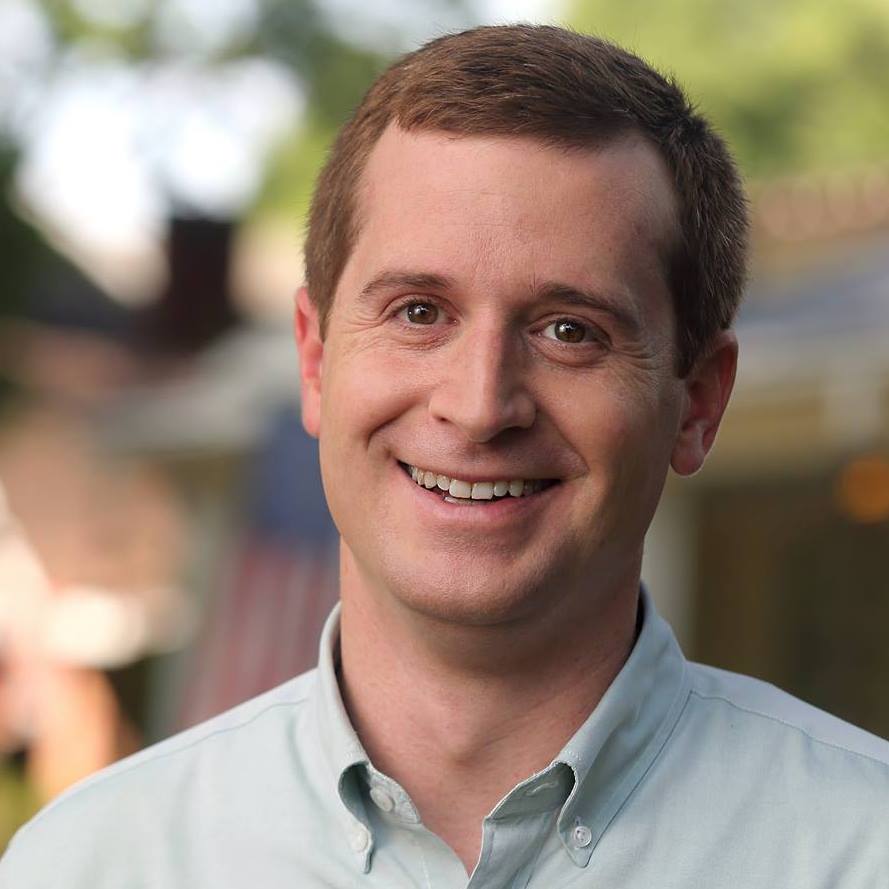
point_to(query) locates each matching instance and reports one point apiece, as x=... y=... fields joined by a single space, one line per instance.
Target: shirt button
x=581 y=836
x=359 y=839
x=381 y=799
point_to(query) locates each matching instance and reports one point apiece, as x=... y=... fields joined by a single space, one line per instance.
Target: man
x=524 y=257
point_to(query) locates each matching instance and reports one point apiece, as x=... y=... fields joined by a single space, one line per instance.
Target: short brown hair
x=565 y=89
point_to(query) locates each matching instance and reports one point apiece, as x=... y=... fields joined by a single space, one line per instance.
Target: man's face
x=503 y=317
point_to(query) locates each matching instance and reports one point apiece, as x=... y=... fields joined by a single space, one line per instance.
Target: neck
x=476 y=707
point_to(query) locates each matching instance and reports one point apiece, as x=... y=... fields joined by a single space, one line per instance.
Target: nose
x=482 y=389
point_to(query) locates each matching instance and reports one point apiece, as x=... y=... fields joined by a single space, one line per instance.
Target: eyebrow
x=414 y=280
x=554 y=291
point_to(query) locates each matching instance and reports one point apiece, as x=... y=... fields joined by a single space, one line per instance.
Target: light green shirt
x=683 y=776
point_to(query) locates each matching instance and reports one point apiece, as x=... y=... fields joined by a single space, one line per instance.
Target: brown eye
x=567 y=331
x=421 y=313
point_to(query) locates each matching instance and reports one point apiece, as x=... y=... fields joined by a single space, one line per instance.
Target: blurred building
x=91 y=541
x=264 y=555
x=774 y=560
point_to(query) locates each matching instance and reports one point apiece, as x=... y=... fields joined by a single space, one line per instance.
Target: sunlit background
x=164 y=546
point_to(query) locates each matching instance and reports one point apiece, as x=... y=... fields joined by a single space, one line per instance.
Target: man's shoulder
x=771 y=787
x=755 y=787
x=161 y=782
x=764 y=725
x=221 y=735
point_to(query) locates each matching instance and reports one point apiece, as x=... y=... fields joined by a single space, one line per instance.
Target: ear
x=706 y=393
x=307 y=330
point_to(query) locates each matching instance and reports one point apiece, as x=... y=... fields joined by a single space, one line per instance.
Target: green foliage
x=799 y=85
x=337 y=77
x=18 y=802
x=332 y=71
x=71 y=28
x=23 y=248
x=290 y=175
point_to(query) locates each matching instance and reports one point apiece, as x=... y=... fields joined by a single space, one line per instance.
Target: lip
x=508 y=510
x=473 y=477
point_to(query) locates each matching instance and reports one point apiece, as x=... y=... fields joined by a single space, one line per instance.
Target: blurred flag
x=278 y=586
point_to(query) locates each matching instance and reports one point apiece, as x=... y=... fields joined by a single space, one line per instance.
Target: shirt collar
x=607 y=756
x=611 y=752
x=341 y=751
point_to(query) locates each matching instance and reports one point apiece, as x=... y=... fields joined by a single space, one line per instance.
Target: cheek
x=611 y=442
x=362 y=393
x=623 y=439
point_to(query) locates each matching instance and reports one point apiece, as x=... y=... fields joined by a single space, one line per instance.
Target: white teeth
x=460 y=489
x=474 y=491
x=483 y=490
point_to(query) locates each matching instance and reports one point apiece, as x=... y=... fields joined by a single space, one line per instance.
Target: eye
x=420 y=313
x=567 y=330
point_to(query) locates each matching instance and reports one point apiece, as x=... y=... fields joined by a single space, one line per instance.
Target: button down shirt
x=682 y=776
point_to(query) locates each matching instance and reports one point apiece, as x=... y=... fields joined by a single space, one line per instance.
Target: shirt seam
x=791 y=725
x=98 y=779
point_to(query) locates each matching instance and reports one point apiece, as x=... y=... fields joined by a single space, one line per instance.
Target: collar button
x=581 y=836
x=359 y=839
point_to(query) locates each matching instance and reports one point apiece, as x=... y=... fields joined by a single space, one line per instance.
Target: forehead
x=513 y=206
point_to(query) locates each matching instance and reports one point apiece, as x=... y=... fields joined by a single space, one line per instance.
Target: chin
x=470 y=597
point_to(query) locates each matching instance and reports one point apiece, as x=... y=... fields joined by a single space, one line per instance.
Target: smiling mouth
x=464 y=493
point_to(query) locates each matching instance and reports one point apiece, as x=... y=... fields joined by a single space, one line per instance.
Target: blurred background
x=165 y=551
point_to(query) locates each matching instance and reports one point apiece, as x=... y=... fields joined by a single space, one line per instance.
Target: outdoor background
x=164 y=546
